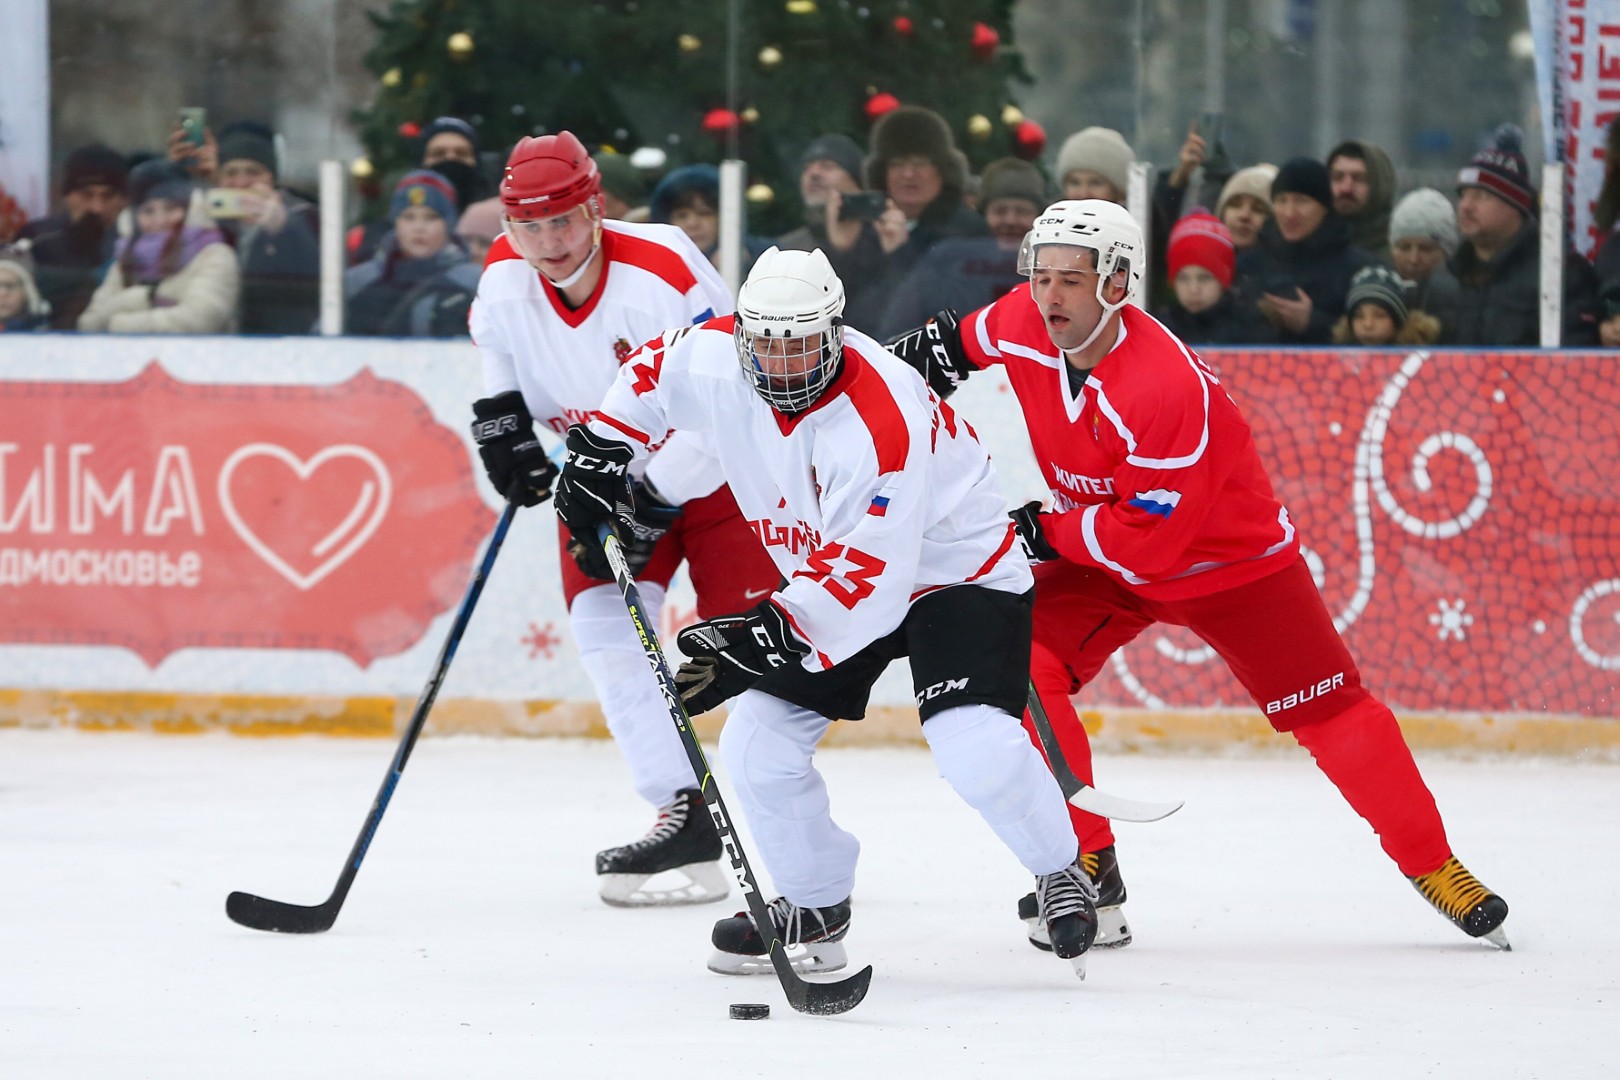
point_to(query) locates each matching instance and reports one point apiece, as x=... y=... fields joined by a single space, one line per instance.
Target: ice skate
x=814 y=938
x=1471 y=907
x=1067 y=904
x=682 y=841
x=1113 y=930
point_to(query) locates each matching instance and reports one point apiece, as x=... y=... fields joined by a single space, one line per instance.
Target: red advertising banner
x=158 y=515
x=1461 y=514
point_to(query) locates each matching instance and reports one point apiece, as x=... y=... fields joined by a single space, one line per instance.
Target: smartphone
x=1216 y=163
x=1283 y=285
x=226 y=203
x=194 y=124
x=863 y=206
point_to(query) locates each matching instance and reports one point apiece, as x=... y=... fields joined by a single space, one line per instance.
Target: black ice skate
x=1067 y=904
x=813 y=936
x=682 y=840
x=1113 y=931
x=1471 y=907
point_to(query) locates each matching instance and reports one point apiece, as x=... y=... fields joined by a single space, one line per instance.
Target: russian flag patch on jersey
x=879 y=507
x=1158 y=501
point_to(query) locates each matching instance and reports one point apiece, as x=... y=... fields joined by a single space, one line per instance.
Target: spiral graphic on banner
x=1577 y=632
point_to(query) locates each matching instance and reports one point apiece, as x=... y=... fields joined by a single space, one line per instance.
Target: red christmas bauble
x=985 y=41
x=719 y=121
x=903 y=26
x=410 y=129
x=1029 y=139
x=878 y=104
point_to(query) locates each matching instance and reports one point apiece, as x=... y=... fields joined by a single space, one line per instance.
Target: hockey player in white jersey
x=881 y=510
x=564 y=297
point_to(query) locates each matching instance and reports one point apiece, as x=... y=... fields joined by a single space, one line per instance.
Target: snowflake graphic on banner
x=1452 y=620
x=541 y=639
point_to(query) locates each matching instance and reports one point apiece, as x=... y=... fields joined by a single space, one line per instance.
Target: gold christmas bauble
x=460 y=45
x=769 y=57
x=979 y=126
x=749 y=115
x=689 y=42
x=759 y=194
x=1012 y=116
x=801 y=7
x=361 y=168
x=391 y=78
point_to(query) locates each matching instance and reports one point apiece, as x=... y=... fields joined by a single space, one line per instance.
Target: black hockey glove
x=1027 y=520
x=514 y=459
x=935 y=350
x=732 y=653
x=594 y=488
x=652 y=518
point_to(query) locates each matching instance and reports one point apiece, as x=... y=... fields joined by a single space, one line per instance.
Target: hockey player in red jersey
x=882 y=512
x=1162 y=512
x=564 y=297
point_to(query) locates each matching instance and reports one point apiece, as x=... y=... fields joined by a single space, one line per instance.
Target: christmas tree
x=624 y=75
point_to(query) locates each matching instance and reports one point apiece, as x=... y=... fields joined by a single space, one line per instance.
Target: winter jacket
x=69 y=260
x=392 y=296
x=198 y=299
x=964 y=273
x=1321 y=264
x=281 y=271
x=1500 y=298
x=1232 y=320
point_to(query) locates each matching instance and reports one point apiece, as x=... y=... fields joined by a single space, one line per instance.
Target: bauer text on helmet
x=789 y=327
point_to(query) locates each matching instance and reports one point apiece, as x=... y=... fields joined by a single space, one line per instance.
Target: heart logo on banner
x=336 y=547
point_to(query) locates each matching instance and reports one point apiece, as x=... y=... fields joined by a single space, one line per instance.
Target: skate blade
x=806 y=959
x=1498 y=937
x=1079 y=965
x=704 y=884
x=1113 y=931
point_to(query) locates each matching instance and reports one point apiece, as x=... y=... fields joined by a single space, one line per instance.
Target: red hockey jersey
x=1153 y=471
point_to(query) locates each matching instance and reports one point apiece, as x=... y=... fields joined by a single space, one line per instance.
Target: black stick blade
x=829 y=998
x=257 y=913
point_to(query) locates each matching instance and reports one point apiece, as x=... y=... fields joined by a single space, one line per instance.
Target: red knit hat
x=1199 y=239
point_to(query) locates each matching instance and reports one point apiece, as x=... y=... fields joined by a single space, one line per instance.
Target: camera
x=226 y=203
x=863 y=206
x=194 y=125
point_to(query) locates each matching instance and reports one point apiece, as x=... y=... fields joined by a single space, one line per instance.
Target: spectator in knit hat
x=1422 y=237
x=624 y=192
x=1377 y=313
x=450 y=147
x=71 y=249
x=967 y=272
x=914 y=160
x=276 y=233
x=1305 y=259
x=689 y=199
x=1095 y=164
x=829 y=169
x=168 y=277
x=1244 y=206
x=21 y=306
x=1363 y=183
x=478 y=227
x=419 y=283
x=1498 y=263
x=1201 y=262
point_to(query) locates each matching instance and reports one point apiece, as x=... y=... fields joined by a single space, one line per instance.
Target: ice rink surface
x=1273 y=939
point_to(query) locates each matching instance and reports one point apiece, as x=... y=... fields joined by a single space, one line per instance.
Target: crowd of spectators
x=204 y=238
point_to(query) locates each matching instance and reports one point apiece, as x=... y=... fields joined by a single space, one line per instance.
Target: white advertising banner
x=25 y=113
x=1587 y=97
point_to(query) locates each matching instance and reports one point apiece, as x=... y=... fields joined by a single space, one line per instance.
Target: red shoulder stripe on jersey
x=619 y=425
x=651 y=256
x=873 y=403
x=500 y=251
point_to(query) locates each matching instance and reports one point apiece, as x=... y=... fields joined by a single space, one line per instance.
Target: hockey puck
x=750 y=1012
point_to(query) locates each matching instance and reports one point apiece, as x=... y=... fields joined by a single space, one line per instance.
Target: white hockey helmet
x=1102 y=227
x=789 y=327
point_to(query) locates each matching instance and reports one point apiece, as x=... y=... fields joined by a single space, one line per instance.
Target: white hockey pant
x=635 y=710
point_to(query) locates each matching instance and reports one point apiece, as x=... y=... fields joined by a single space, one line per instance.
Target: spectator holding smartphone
x=168 y=277
x=1306 y=257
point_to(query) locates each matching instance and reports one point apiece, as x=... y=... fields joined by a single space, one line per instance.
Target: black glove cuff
x=501 y=417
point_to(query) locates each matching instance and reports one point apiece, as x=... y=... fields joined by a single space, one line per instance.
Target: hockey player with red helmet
x=565 y=296
x=1162 y=512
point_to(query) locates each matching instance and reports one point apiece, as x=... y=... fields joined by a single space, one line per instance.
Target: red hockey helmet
x=548 y=176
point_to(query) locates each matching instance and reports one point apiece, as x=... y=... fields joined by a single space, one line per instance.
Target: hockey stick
x=258 y=913
x=819 y=998
x=1077 y=791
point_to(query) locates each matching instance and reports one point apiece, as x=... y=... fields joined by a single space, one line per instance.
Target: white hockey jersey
x=874 y=496
x=563 y=361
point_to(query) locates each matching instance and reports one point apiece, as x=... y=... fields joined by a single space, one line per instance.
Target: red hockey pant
x=1277 y=637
